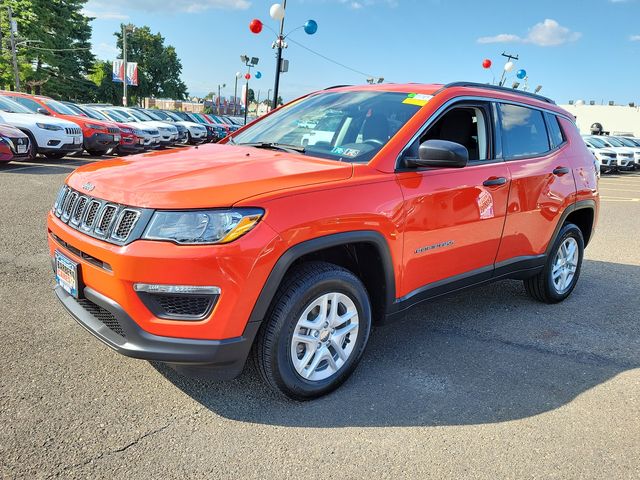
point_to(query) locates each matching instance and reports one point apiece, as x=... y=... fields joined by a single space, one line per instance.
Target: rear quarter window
x=524 y=133
x=555 y=131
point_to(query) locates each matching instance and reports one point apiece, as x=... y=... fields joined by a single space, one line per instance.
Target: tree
x=57 y=57
x=107 y=91
x=159 y=67
x=251 y=97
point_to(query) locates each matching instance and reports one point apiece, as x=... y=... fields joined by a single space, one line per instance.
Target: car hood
x=191 y=124
x=9 y=131
x=158 y=124
x=201 y=177
x=29 y=120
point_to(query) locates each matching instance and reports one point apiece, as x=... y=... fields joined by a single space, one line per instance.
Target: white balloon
x=276 y=11
x=508 y=66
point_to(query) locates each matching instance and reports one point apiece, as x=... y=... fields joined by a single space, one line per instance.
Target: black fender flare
x=580 y=205
x=320 y=243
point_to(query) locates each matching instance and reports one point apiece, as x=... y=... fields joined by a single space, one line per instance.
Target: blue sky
x=577 y=49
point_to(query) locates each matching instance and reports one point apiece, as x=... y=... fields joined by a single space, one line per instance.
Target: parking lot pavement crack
x=115 y=451
x=572 y=354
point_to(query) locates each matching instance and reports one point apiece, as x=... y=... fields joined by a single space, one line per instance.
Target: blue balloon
x=258 y=75
x=521 y=74
x=310 y=27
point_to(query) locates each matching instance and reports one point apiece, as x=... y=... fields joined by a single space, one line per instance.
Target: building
x=615 y=119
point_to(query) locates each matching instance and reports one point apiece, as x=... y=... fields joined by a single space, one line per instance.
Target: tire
x=97 y=153
x=275 y=346
x=33 y=149
x=542 y=286
x=55 y=155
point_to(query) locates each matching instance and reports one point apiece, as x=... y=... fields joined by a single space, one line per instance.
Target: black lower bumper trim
x=220 y=359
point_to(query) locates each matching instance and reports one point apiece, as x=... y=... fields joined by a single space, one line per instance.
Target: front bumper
x=65 y=147
x=101 y=142
x=109 y=323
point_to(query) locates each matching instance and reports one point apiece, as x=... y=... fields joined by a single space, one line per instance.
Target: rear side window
x=524 y=133
x=555 y=132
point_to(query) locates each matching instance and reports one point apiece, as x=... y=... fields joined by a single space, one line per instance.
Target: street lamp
x=277 y=12
x=249 y=63
x=235 y=95
x=220 y=86
x=125 y=29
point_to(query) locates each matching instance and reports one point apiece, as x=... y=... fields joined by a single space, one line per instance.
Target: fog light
x=176 y=289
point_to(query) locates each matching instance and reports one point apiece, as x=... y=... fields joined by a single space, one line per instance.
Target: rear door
x=542 y=184
x=454 y=216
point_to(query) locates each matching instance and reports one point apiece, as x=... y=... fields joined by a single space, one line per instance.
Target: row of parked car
x=614 y=153
x=32 y=124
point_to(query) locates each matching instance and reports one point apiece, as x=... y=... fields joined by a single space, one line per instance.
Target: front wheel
x=562 y=268
x=55 y=155
x=315 y=332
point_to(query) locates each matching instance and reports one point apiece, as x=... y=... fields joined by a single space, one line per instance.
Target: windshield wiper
x=274 y=146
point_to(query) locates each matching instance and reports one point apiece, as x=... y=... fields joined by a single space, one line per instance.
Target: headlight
x=48 y=126
x=202 y=226
x=94 y=126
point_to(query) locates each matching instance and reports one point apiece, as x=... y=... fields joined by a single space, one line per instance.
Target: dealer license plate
x=22 y=149
x=67 y=274
x=116 y=138
x=77 y=140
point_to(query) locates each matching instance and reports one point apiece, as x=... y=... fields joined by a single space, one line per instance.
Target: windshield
x=76 y=110
x=95 y=114
x=9 y=106
x=173 y=116
x=615 y=142
x=194 y=118
x=596 y=142
x=128 y=117
x=150 y=114
x=139 y=115
x=113 y=115
x=58 y=107
x=160 y=115
x=344 y=126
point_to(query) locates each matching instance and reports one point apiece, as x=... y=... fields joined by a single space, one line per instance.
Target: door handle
x=494 y=181
x=560 y=171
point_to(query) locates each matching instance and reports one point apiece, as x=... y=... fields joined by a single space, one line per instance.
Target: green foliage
x=159 y=67
x=107 y=91
x=251 y=97
x=57 y=59
x=208 y=109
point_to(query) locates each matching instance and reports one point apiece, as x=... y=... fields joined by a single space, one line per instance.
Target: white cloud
x=548 y=33
x=635 y=38
x=359 y=4
x=115 y=9
x=105 y=51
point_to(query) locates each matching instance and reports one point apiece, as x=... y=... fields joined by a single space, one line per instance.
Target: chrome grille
x=98 y=218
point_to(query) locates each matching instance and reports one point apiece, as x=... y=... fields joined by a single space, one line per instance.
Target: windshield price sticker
x=419 y=99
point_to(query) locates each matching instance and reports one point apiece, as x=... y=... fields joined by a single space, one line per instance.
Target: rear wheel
x=562 y=269
x=315 y=332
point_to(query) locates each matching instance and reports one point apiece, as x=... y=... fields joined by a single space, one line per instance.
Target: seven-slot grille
x=113 y=130
x=73 y=130
x=98 y=218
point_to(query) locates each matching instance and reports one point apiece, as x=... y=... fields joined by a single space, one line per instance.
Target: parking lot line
x=625 y=190
x=620 y=199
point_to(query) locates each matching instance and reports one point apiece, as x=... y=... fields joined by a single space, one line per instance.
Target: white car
x=322 y=132
x=606 y=157
x=634 y=144
x=50 y=136
x=625 y=155
x=197 y=131
x=151 y=135
x=168 y=133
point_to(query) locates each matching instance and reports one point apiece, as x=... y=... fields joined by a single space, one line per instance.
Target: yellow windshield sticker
x=419 y=99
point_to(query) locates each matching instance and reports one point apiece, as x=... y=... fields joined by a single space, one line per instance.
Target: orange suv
x=292 y=249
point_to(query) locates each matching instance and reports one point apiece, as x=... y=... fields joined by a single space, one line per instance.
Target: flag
x=118 y=72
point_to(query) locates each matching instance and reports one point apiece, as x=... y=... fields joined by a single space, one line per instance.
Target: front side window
x=32 y=105
x=524 y=133
x=344 y=126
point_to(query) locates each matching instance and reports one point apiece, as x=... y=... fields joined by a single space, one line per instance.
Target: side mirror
x=43 y=111
x=440 y=153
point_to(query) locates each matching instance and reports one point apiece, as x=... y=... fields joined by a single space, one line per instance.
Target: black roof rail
x=497 y=88
x=337 y=86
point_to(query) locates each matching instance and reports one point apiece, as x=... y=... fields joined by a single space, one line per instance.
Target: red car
x=99 y=137
x=14 y=145
x=261 y=244
x=130 y=140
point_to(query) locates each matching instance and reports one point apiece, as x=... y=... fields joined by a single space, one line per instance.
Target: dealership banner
x=118 y=72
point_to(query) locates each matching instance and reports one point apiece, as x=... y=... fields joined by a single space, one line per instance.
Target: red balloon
x=255 y=26
x=247 y=76
x=486 y=63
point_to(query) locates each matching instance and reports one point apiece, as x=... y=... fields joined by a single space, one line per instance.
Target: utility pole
x=12 y=39
x=124 y=65
x=279 y=45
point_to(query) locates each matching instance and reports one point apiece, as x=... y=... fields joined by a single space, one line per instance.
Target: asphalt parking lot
x=483 y=384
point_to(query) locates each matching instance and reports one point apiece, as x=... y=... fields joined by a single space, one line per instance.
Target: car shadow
x=45 y=166
x=482 y=356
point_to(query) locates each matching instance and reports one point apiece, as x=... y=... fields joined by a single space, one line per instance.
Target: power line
x=59 y=49
x=330 y=59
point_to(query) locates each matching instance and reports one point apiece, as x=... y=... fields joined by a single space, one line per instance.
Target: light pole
x=125 y=29
x=235 y=95
x=223 y=85
x=277 y=12
x=12 y=39
x=249 y=63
